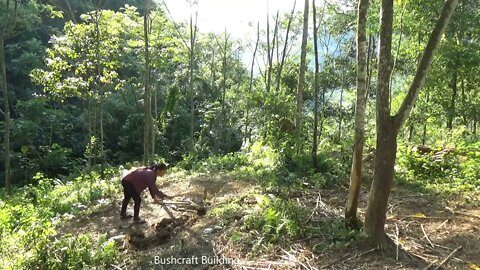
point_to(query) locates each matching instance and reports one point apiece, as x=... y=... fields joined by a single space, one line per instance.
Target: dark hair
x=159 y=166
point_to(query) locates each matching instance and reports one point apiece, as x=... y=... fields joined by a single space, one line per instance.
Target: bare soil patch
x=425 y=228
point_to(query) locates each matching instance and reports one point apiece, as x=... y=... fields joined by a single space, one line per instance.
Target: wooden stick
x=334 y=262
x=174 y=203
x=414 y=196
x=430 y=265
x=467 y=215
x=412 y=216
x=319 y=199
x=397 y=240
x=436 y=229
x=426 y=236
x=116 y=267
x=448 y=257
x=348 y=259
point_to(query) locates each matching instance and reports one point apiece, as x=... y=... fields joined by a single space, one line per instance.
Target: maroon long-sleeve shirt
x=142 y=179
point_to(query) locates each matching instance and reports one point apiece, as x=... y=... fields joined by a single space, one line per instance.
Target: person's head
x=160 y=169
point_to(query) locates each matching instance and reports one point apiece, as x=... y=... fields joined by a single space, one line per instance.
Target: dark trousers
x=130 y=192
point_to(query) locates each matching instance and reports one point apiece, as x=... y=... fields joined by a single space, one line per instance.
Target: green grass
x=29 y=217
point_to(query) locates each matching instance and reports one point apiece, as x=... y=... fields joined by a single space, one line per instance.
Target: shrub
x=29 y=217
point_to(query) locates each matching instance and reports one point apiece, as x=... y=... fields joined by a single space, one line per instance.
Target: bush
x=29 y=217
x=73 y=252
x=448 y=172
x=276 y=219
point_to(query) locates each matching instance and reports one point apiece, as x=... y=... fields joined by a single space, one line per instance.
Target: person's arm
x=154 y=191
x=156 y=194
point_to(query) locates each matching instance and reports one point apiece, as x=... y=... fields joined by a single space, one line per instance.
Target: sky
x=234 y=15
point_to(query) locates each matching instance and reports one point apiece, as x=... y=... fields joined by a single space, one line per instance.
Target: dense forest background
x=76 y=83
x=91 y=85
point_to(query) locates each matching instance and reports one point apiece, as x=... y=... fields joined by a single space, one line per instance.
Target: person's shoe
x=125 y=216
x=139 y=220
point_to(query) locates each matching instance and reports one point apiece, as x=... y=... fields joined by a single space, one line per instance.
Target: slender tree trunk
x=316 y=86
x=250 y=87
x=270 y=55
x=269 y=64
x=359 y=137
x=6 y=108
x=98 y=87
x=155 y=113
x=451 y=112
x=284 y=53
x=475 y=125
x=147 y=138
x=224 y=88
x=424 y=132
x=370 y=62
x=301 y=79
x=193 y=32
x=387 y=125
x=214 y=89
x=410 y=132
x=340 y=116
x=464 y=102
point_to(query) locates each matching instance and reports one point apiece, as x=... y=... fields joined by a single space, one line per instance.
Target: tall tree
x=359 y=137
x=301 y=76
x=148 y=120
x=270 y=50
x=388 y=126
x=193 y=38
x=316 y=86
x=17 y=17
x=250 y=86
x=6 y=106
x=284 y=53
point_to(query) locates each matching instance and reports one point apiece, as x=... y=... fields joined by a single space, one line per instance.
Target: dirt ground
x=426 y=231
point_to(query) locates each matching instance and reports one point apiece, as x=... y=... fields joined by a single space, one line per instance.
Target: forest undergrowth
x=260 y=212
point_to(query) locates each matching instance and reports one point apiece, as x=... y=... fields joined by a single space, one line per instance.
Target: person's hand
x=164 y=196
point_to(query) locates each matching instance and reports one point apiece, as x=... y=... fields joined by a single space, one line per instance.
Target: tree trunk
x=359 y=137
x=284 y=53
x=270 y=55
x=301 y=77
x=98 y=88
x=340 y=116
x=6 y=108
x=410 y=132
x=425 y=62
x=388 y=126
x=475 y=126
x=155 y=113
x=382 y=181
x=424 y=132
x=147 y=139
x=465 y=104
x=193 y=32
x=451 y=111
x=250 y=87
x=315 y=97
x=88 y=116
x=224 y=90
